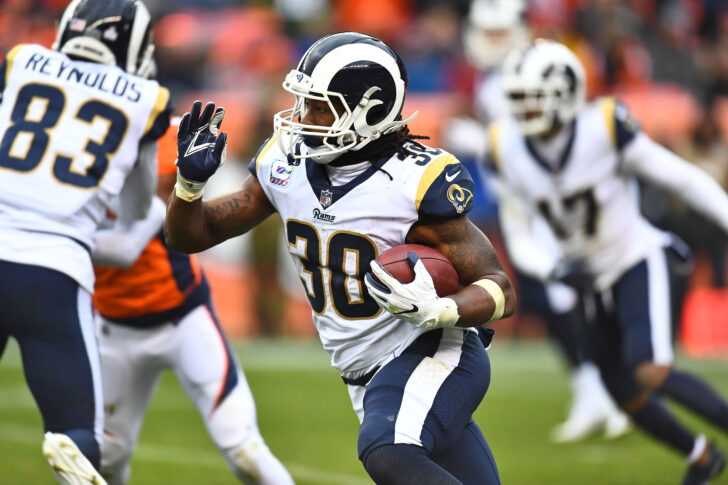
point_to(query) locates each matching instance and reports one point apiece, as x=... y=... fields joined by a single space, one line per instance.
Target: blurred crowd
x=666 y=59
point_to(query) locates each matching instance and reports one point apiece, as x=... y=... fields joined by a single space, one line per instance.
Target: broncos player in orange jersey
x=154 y=313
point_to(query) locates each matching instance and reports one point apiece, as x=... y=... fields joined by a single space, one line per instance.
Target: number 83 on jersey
x=38 y=116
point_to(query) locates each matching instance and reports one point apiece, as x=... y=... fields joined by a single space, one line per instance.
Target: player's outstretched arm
x=478 y=267
x=192 y=225
x=654 y=163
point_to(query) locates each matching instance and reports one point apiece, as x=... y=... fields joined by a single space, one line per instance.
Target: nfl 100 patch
x=280 y=173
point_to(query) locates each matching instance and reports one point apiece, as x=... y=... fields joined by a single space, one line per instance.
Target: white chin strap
x=90 y=49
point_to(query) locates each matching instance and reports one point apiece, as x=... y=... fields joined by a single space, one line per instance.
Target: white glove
x=416 y=302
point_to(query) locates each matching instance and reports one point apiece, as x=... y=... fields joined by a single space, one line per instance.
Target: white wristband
x=495 y=292
x=449 y=315
x=188 y=190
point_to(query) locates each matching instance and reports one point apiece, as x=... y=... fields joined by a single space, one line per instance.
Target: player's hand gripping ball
x=443 y=273
x=411 y=282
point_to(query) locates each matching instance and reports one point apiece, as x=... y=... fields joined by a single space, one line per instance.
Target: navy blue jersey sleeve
x=446 y=189
x=253 y=165
x=160 y=117
x=621 y=124
x=626 y=125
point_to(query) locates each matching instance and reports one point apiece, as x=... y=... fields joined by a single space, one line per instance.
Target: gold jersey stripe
x=433 y=170
x=608 y=105
x=264 y=151
x=9 y=60
x=159 y=105
x=493 y=132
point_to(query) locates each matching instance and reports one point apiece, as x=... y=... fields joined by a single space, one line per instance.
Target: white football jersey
x=491 y=104
x=70 y=133
x=334 y=232
x=591 y=207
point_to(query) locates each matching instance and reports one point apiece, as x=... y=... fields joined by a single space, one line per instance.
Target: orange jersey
x=162 y=284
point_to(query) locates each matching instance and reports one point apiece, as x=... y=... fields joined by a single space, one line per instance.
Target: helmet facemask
x=322 y=143
x=536 y=108
x=544 y=85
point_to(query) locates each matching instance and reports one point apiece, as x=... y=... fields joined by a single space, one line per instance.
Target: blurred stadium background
x=666 y=59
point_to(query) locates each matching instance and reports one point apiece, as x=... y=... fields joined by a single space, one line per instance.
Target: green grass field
x=306 y=418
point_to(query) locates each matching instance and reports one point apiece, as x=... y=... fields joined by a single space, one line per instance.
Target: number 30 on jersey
x=347 y=259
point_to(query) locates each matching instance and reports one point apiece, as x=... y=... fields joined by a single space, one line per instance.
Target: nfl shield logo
x=326 y=198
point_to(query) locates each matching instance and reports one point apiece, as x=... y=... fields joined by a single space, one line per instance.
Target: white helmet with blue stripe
x=356 y=73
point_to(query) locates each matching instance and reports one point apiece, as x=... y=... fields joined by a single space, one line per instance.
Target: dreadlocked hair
x=403 y=137
x=382 y=149
x=396 y=143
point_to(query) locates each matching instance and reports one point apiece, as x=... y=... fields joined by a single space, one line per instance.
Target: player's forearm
x=474 y=259
x=478 y=305
x=196 y=226
x=652 y=162
x=184 y=226
x=122 y=244
x=487 y=294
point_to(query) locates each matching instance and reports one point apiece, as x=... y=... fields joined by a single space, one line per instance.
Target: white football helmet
x=114 y=32
x=492 y=29
x=349 y=70
x=545 y=86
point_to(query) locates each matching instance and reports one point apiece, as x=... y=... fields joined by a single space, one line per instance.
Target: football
x=440 y=268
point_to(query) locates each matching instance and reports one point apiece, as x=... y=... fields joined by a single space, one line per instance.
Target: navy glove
x=200 y=151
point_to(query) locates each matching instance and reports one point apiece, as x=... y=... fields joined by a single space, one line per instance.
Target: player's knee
x=115 y=457
x=403 y=464
x=651 y=375
x=385 y=463
x=623 y=388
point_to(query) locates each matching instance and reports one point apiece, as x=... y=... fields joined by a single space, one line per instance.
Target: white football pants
x=132 y=360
